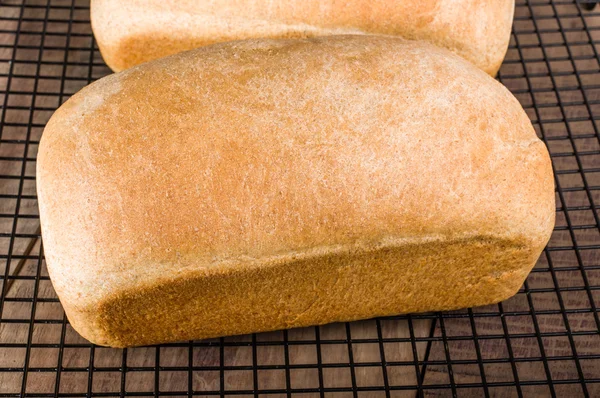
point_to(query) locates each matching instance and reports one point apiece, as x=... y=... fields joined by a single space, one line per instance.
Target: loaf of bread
x=134 y=31
x=266 y=184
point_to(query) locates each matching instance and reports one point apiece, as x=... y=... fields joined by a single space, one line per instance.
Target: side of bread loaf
x=267 y=184
x=135 y=31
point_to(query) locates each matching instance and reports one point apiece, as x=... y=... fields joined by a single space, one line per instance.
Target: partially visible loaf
x=134 y=31
x=268 y=184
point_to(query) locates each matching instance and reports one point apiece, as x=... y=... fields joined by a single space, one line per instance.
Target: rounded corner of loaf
x=116 y=51
x=92 y=327
x=115 y=32
x=492 y=68
x=110 y=55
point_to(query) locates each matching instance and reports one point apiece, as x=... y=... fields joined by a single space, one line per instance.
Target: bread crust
x=263 y=184
x=136 y=31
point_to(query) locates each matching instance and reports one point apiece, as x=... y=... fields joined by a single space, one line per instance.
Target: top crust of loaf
x=136 y=31
x=244 y=154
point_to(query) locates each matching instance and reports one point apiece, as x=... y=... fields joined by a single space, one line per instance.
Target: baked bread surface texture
x=134 y=31
x=268 y=184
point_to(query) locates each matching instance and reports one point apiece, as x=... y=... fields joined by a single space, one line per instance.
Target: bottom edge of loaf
x=417 y=277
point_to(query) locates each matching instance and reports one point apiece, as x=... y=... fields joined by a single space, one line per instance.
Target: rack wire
x=545 y=341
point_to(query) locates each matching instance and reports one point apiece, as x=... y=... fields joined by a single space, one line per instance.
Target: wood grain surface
x=560 y=107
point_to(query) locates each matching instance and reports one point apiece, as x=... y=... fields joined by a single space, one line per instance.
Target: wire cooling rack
x=543 y=342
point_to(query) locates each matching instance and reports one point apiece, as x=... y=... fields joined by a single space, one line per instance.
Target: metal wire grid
x=543 y=342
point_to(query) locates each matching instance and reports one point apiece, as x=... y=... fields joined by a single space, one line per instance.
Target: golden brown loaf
x=130 y=32
x=268 y=184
